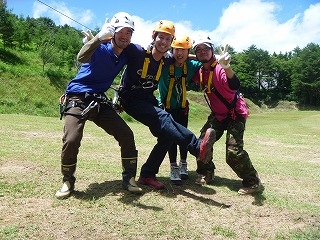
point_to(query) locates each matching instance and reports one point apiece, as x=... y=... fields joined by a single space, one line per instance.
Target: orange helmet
x=182 y=41
x=165 y=26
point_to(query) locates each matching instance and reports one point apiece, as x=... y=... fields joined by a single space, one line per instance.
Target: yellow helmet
x=165 y=26
x=182 y=41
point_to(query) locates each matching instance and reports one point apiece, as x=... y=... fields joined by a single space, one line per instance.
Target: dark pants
x=236 y=157
x=180 y=116
x=162 y=126
x=103 y=116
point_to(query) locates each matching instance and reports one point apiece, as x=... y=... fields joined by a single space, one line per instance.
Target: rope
x=63 y=14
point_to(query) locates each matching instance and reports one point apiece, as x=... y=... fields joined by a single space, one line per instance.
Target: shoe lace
x=175 y=172
x=183 y=168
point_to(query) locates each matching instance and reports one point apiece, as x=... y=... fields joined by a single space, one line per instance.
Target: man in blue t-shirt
x=103 y=57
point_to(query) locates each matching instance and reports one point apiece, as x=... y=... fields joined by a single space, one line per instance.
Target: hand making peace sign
x=225 y=57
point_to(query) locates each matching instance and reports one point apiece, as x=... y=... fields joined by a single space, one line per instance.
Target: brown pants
x=103 y=116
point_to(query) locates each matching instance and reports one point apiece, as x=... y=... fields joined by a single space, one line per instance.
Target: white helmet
x=121 y=20
x=202 y=40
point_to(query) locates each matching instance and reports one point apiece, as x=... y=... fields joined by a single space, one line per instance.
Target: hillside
x=26 y=89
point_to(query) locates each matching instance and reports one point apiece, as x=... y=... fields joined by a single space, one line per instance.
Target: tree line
x=265 y=77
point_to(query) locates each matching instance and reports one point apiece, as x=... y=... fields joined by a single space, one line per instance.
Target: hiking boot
x=132 y=186
x=206 y=144
x=200 y=180
x=184 y=170
x=175 y=175
x=205 y=179
x=251 y=185
x=151 y=182
x=252 y=189
x=65 y=191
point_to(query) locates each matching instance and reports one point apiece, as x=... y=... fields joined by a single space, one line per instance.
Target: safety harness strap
x=147 y=84
x=91 y=102
x=231 y=106
x=146 y=64
x=208 y=88
x=171 y=85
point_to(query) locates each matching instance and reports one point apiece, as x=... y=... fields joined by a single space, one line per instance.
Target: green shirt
x=175 y=92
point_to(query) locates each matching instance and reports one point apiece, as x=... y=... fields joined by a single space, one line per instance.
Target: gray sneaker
x=65 y=191
x=184 y=170
x=175 y=175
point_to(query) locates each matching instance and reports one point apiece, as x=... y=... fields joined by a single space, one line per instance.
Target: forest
x=265 y=77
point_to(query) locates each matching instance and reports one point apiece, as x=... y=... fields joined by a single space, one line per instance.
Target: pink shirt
x=220 y=83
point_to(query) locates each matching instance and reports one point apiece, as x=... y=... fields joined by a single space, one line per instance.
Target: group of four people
x=105 y=55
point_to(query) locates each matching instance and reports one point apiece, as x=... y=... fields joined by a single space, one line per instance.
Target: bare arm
x=229 y=72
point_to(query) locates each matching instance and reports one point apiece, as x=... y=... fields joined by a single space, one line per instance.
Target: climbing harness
x=173 y=83
x=210 y=88
x=91 y=101
x=148 y=84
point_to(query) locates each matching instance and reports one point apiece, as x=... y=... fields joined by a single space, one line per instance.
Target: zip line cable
x=64 y=14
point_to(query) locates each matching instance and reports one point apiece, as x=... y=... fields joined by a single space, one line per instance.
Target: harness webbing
x=208 y=89
x=146 y=66
x=231 y=106
x=171 y=85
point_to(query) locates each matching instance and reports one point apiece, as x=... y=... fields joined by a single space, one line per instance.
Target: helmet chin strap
x=114 y=41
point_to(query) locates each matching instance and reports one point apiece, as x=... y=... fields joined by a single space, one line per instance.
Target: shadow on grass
x=234 y=186
x=188 y=189
x=99 y=190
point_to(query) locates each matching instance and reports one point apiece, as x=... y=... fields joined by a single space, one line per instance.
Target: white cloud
x=308 y=27
x=243 y=23
x=62 y=14
x=143 y=31
x=250 y=22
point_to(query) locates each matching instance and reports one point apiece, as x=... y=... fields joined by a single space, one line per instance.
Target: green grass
x=25 y=88
x=282 y=145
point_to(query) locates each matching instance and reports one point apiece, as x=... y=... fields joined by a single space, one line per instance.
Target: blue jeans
x=162 y=126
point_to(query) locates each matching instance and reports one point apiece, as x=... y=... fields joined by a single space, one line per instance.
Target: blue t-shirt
x=98 y=75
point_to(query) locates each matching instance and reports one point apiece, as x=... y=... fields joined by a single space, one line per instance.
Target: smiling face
x=162 y=42
x=180 y=55
x=203 y=53
x=122 y=38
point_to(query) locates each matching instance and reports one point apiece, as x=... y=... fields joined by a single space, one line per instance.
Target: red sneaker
x=205 y=154
x=151 y=182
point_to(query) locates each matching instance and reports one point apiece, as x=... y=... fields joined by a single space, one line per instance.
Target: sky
x=271 y=25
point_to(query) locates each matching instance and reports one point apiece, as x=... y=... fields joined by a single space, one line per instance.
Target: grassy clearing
x=283 y=147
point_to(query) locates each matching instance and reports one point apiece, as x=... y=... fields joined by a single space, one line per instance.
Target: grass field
x=284 y=148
